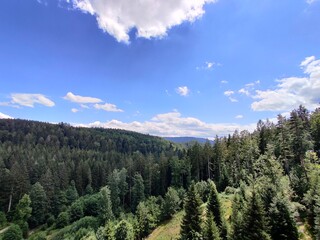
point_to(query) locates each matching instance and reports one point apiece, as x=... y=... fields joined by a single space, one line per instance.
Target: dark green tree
x=211 y=231
x=283 y=226
x=255 y=225
x=38 y=204
x=137 y=191
x=191 y=222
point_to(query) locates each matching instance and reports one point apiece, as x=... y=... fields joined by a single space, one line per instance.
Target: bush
x=38 y=236
x=51 y=220
x=13 y=233
x=62 y=220
x=76 y=211
x=86 y=222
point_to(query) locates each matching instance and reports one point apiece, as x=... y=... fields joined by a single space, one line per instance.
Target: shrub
x=13 y=233
x=62 y=220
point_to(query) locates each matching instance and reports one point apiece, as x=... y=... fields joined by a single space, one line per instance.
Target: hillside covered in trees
x=62 y=182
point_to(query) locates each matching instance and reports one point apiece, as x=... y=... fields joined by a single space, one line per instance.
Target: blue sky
x=168 y=68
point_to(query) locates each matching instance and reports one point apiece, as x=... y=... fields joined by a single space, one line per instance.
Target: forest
x=63 y=182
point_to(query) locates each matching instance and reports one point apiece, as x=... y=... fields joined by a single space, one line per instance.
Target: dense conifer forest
x=62 y=182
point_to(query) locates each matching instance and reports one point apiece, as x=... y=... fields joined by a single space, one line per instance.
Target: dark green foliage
x=254 y=221
x=106 y=213
x=214 y=205
x=63 y=220
x=23 y=209
x=211 y=231
x=123 y=231
x=282 y=224
x=38 y=236
x=85 y=222
x=214 y=208
x=191 y=222
x=148 y=216
x=3 y=219
x=72 y=193
x=38 y=204
x=137 y=190
x=13 y=233
x=171 y=203
x=92 y=205
x=76 y=211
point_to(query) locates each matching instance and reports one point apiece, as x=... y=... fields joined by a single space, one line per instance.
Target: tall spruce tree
x=282 y=224
x=211 y=231
x=191 y=222
x=214 y=209
x=255 y=224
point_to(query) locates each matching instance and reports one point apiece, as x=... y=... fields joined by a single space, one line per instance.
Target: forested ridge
x=63 y=182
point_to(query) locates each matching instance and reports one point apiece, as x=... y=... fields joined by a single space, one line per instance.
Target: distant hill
x=184 y=140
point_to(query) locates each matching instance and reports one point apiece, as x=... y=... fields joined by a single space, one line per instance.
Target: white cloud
x=84 y=106
x=233 y=99
x=74 y=110
x=28 y=100
x=290 y=92
x=80 y=99
x=5 y=116
x=183 y=91
x=244 y=91
x=173 y=124
x=228 y=93
x=208 y=66
x=239 y=116
x=108 y=107
x=224 y=82
x=151 y=18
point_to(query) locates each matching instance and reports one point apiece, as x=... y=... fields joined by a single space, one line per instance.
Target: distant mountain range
x=184 y=140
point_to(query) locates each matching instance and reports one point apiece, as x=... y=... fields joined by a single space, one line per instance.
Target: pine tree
x=255 y=225
x=211 y=230
x=214 y=208
x=191 y=222
x=282 y=224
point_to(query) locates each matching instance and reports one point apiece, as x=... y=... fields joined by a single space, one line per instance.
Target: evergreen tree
x=137 y=191
x=72 y=193
x=214 y=209
x=106 y=205
x=39 y=205
x=191 y=222
x=211 y=231
x=255 y=225
x=282 y=224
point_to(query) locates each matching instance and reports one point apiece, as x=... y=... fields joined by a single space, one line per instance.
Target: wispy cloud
x=239 y=117
x=183 y=91
x=29 y=100
x=293 y=91
x=81 y=99
x=208 y=66
x=174 y=124
x=108 y=107
x=152 y=18
x=74 y=110
x=228 y=93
